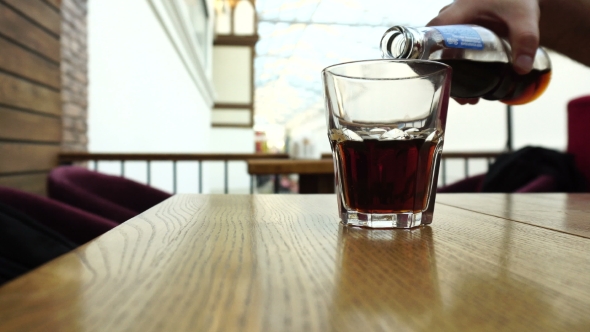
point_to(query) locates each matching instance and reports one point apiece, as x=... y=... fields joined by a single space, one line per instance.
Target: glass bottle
x=481 y=61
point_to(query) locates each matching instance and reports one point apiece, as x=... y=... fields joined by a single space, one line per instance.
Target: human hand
x=517 y=20
x=470 y=101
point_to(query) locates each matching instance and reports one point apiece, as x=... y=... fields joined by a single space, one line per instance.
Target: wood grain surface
x=35 y=182
x=27 y=157
x=55 y=3
x=287 y=166
x=23 y=126
x=567 y=213
x=30 y=97
x=23 y=94
x=21 y=29
x=39 y=11
x=21 y=62
x=284 y=263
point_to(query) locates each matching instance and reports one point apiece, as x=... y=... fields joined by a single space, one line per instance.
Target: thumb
x=524 y=42
x=524 y=39
x=451 y=15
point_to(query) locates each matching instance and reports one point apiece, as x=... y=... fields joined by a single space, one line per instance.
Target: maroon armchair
x=578 y=119
x=112 y=197
x=74 y=224
x=578 y=135
x=470 y=184
x=473 y=184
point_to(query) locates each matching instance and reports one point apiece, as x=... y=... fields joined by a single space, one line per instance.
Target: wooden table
x=489 y=262
x=315 y=176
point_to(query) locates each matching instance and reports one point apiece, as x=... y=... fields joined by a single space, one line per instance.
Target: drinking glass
x=386 y=121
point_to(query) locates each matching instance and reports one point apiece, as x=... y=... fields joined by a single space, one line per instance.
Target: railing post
x=95 y=164
x=444 y=171
x=122 y=168
x=174 y=170
x=276 y=183
x=466 y=166
x=225 y=178
x=149 y=172
x=252 y=177
x=200 y=176
x=509 y=143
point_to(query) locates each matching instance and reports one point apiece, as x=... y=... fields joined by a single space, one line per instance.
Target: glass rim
x=443 y=67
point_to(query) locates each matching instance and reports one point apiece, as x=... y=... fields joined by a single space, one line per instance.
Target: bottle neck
x=401 y=42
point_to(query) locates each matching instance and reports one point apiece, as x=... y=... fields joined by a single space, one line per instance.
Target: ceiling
x=298 y=38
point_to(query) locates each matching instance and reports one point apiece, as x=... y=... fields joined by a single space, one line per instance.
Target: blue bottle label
x=460 y=36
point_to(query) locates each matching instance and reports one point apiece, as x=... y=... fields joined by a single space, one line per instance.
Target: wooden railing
x=466 y=157
x=122 y=158
x=95 y=158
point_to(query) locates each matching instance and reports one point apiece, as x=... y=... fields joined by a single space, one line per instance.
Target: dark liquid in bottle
x=496 y=81
x=386 y=176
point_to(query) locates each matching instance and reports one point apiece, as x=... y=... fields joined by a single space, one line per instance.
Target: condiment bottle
x=481 y=61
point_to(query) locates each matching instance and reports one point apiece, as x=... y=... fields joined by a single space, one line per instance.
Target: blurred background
x=229 y=76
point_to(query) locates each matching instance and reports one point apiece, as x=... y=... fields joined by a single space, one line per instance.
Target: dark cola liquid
x=496 y=81
x=385 y=176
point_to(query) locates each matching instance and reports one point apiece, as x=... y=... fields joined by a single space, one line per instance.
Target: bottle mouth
x=396 y=43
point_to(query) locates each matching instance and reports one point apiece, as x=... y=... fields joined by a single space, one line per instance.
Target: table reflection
x=386 y=274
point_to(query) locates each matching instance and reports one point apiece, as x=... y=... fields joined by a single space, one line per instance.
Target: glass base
x=377 y=220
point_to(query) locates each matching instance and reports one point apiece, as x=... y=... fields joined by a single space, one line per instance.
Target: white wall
x=141 y=97
x=232 y=74
x=230 y=140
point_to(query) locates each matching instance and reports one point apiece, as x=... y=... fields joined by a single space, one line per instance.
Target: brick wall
x=74 y=75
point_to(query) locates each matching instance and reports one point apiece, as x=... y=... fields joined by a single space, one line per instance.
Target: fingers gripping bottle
x=481 y=61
